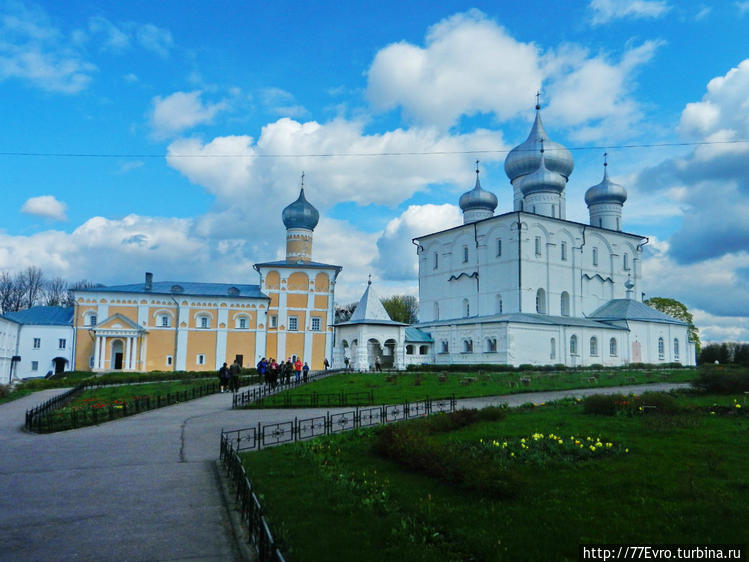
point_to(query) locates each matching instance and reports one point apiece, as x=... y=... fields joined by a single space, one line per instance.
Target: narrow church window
x=600 y=222
x=468 y=346
x=499 y=247
x=676 y=348
x=499 y=304
x=466 y=308
x=436 y=260
x=612 y=347
x=169 y=360
x=564 y=251
x=200 y=359
x=203 y=321
x=573 y=345
x=618 y=225
x=594 y=346
x=491 y=345
x=37 y=343
x=565 y=304
x=465 y=254
x=661 y=349
x=595 y=256
x=409 y=350
x=541 y=301
x=164 y=321
x=554 y=211
x=243 y=323
x=35 y=365
x=553 y=348
x=273 y=321
x=538 y=245
x=436 y=311
x=445 y=347
x=423 y=349
x=626 y=261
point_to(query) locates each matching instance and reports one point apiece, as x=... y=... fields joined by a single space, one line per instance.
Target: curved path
x=142 y=488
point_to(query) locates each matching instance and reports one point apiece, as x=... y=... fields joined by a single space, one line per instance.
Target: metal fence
x=48 y=418
x=258 y=394
x=266 y=435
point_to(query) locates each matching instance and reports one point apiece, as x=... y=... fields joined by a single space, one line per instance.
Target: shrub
x=4 y=391
x=602 y=404
x=664 y=402
x=722 y=380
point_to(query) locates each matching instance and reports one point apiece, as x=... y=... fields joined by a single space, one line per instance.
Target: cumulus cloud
x=114 y=39
x=180 y=111
x=45 y=206
x=248 y=173
x=32 y=49
x=397 y=259
x=451 y=76
x=605 y=11
x=713 y=180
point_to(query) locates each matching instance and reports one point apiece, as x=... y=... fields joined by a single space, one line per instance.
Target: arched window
x=466 y=308
x=573 y=345
x=445 y=347
x=564 y=251
x=565 y=303
x=595 y=256
x=612 y=347
x=553 y=348
x=499 y=304
x=676 y=348
x=499 y=247
x=541 y=301
x=594 y=346
x=468 y=345
x=625 y=261
x=423 y=349
x=436 y=260
x=661 y=349
x=409 y=349
x=465 y=254
x=436 y=311
x=203 y=321
x=491 y=345
x=90 y=319
x=538 y=245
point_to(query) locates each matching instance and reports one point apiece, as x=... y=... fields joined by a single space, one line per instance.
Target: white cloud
x=360 y=179
x=397 y=259
x=281 y=103
x=605 y=11
x=130 y=78
x=703 y=13
x=33 y=50
x=114 y=40
x=452 y=76
x=45 y=206
x=743 y=7
x=154 y=39
x=180 y=111
x=125 y=167
x=715 y=328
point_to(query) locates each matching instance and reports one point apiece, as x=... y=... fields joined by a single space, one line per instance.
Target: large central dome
x=525 y=158
x=300 y=214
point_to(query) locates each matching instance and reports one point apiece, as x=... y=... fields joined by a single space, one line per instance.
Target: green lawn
x=664 y=479
x=403 y=387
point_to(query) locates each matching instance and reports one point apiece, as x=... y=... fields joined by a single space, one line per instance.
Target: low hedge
x=719 y=379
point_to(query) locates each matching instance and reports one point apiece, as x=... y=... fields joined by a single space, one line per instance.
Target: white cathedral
x=526 y=286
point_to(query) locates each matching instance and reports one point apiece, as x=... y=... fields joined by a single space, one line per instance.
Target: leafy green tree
x=678 y=310
x=402 y=308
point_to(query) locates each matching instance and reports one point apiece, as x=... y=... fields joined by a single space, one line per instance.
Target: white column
x=128 y=348
x=96 y=352
x=102 y=351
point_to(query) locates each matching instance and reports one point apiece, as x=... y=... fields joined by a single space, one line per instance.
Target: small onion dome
x=605 y=192
x=300 y=214
x=478 y=198
x=542 y=179
x=524 y=158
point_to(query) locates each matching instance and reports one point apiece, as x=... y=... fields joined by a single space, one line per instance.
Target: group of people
x=228 y=377
x=273 y=373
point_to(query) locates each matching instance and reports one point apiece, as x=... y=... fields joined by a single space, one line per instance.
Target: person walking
x=325 y=364
x=223 y=377
x=289 y=368
x=305 y=371
x=273 y=372
x=234 y=371
x=262 y=370
x=298 y=369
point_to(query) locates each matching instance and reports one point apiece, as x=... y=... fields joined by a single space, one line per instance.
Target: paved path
x=142 y=488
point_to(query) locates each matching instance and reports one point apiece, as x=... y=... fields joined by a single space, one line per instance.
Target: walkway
x=142 y=488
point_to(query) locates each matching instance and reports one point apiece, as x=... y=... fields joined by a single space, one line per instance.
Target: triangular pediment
x=118 y=322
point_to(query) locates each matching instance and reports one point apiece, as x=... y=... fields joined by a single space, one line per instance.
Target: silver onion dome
x=606 y=191
x=300 y=214
x=478 y=198
x=524 y=158
x=542 y=179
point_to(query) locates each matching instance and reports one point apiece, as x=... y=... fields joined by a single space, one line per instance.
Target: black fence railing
x=300 y=429
x=265 y=435
x=269 y=388
x=49 y=417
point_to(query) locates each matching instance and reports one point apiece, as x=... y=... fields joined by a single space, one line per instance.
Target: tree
x=56 y=292
x=82 y=284
x=677 y=310
x=402 y=308
x=344 y=312
x=32 y=281
x=11 y=292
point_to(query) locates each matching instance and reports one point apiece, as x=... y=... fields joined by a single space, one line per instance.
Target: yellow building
x=166 y=325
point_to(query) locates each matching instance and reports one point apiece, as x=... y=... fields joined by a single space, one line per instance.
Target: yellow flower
x=626 y=450
x=512 y=454
x=592 y=448
x=609 y=444
x=560 y=441
x=738 y=405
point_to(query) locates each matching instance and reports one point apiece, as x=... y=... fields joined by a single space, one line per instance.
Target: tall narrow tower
x=605 y=201
x=300 y=219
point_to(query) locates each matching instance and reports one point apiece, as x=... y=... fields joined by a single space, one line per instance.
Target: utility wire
x=357 y=154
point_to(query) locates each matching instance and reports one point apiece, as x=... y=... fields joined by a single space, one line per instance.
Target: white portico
x=119 y=344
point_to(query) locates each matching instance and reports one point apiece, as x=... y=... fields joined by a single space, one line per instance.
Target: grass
x=403 y=387
x=665 y=479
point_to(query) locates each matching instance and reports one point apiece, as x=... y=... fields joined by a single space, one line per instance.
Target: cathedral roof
x=606 y=191
x=629 y=309
x=525 y=158
x=478 y=198
x=542 y=179
x=524 y=318
x=300 y=214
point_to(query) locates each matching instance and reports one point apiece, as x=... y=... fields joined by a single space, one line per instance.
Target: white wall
x=49 y=349
x=8 y=347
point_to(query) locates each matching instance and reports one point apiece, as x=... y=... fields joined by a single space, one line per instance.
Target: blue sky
x=168 y=136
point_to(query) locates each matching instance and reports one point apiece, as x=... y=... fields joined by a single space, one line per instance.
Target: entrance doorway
x=117 y=355
x=238 y=359
x=59 y=364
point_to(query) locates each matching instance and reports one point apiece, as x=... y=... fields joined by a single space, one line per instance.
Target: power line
x=359 y=154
